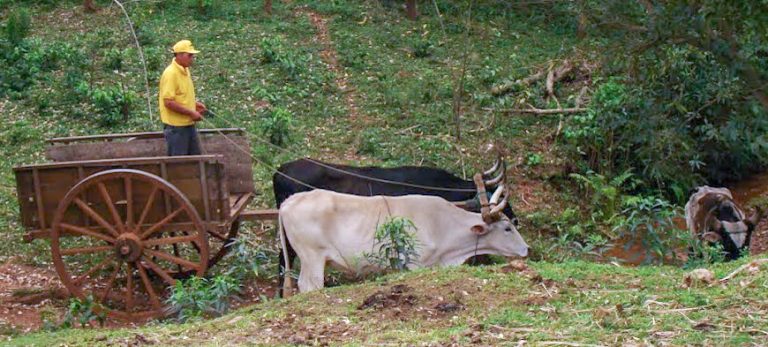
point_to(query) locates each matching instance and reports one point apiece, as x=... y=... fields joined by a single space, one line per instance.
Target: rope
x=349 y=173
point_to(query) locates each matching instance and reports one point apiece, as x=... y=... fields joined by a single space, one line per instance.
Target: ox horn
x=484 y=208
x=495 y=210
x=502 y=176
x=495 y=167
x=756 y=216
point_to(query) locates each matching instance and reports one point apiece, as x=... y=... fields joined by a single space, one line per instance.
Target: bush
x=650 y=220
x=397 y=245
x=277 y=126
x=17 y=27
x=113 y=59
x=113 y=104
x=198 y=297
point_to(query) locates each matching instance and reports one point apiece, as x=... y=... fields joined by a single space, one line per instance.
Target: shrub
x=395 y=245
x=17 y=27
x=113 y=104
x=277 y=126
x=650 y=220
x=197 y=297
x=113 y=59
x=82 y=312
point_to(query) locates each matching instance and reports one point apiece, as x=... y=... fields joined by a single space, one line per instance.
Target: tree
x=268 y=7
x=410 y=9
x=89 y=6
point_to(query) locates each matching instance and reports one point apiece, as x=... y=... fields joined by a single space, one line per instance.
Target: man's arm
x=179 y=108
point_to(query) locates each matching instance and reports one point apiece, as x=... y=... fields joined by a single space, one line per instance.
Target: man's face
x=185 y=59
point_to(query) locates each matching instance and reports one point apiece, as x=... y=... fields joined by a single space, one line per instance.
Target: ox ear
x=711 y=237
x=479 y=229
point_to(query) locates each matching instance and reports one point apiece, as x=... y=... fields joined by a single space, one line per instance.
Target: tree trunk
x=89 y=6
x=410 y=9
x=268 y=7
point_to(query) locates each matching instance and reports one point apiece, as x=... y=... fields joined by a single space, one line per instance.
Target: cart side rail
x=201 y=178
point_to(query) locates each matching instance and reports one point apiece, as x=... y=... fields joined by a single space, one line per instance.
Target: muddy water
x=632 y=253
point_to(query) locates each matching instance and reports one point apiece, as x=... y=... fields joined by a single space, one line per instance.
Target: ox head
x=725 y=228
x=497 y=229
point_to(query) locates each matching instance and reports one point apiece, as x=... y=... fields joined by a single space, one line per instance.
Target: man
x=179 y=110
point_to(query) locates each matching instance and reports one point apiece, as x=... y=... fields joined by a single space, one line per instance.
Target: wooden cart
x=125 y=221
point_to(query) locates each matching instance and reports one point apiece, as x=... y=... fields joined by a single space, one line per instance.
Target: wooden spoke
x=129 y=202
x=129 y=287
x=170 y=240
x=148 y=285
x=161 y=223
x=162 y=255
x=159 y=271
x=79 y=280
x=110 y=283
x=83 y=231
x=85 y=250
x=91 y=213
x=147 y=207
x=111 y=206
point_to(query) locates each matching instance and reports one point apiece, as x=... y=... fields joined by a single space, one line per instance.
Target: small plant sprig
x=395 y=245
x=197 y=297
x=82 y=312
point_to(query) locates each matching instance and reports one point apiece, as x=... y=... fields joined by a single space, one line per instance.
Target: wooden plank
x=270 y=214
x=204 y=191
x=39 y=199
x=119 y=162
x=139 y=135
x=239 y=204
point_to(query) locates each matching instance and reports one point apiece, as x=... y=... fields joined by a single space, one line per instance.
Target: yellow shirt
x=176 y=84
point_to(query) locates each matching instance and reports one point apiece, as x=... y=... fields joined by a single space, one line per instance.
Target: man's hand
x=200 y=107
x=196 y=116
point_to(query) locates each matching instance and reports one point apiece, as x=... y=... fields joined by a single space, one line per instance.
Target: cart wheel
x=121 y=237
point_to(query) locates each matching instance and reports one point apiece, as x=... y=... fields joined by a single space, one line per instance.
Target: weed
x=113 y=103
x=197 y=297
x=277 y=126
x=249 y=258
x=82 y=312
x=649 y=219
x=17 y=27
x=113 y=59
x=397 y=244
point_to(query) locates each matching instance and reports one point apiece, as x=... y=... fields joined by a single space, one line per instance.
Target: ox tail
x=287 y=279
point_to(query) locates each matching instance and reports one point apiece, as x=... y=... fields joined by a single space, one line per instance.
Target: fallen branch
x=534 y=110
x=506 y=87
x=555 y=75
x=754 y=263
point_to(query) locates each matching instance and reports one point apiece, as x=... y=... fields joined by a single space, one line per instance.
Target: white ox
x=329 y=227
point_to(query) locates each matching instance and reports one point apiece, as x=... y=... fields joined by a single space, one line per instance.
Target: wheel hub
x=128 y=247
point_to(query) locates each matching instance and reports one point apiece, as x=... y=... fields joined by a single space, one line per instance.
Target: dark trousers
x=181 y=140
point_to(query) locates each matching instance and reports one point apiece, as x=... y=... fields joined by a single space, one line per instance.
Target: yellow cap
x=184 y=46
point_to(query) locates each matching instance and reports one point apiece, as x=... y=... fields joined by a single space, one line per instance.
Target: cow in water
x=326 y=227
x=713 y=216
x=307 y=174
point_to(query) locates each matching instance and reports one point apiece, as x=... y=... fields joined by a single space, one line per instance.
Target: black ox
x=307 y=174
x=713 y=216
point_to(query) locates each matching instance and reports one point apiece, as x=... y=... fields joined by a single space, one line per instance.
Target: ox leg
x=312 y=275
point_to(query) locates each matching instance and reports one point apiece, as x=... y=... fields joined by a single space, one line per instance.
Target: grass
x=574 y=302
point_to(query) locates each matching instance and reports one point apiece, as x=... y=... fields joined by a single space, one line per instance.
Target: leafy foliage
x=650 y=220
x=199 y=297
x=82 y=312
x=17 y=27
x=395 y=244
x=277 y=126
